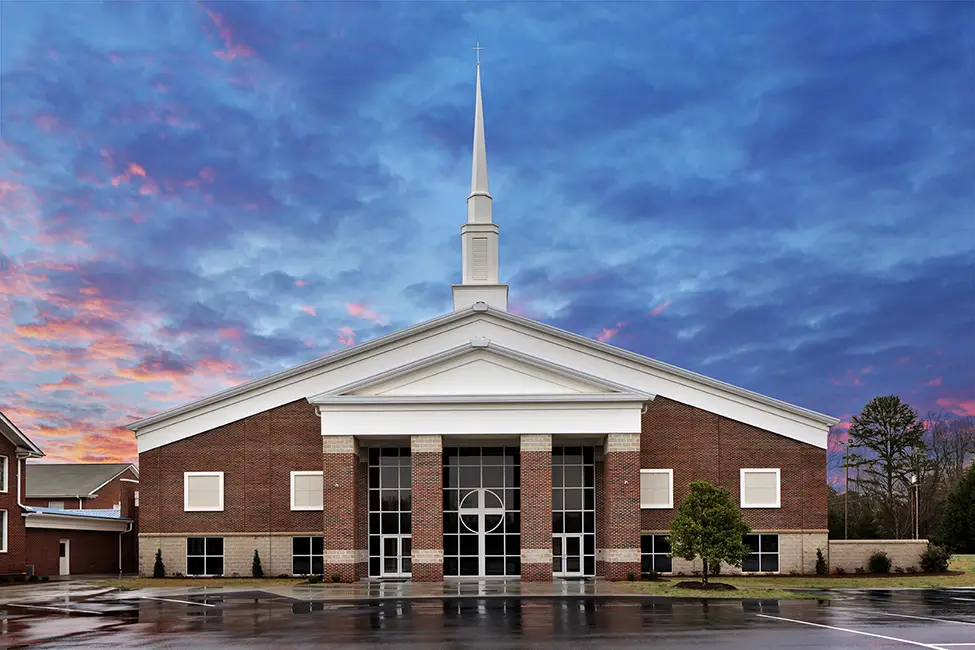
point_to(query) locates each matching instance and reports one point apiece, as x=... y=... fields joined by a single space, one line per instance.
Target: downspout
x=21 y=506
x=127 y=530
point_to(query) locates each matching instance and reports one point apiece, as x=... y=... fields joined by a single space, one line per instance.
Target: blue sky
x=194 y=194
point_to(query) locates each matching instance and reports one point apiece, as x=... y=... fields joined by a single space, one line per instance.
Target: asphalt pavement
x=940 y=619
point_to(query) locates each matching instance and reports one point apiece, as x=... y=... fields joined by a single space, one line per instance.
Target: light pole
x=846 y=489
x=917 y=499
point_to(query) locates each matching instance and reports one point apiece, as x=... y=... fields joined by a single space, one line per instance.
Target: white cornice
x=74 y=522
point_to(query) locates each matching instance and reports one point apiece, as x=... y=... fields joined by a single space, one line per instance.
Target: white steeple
x=479 y=236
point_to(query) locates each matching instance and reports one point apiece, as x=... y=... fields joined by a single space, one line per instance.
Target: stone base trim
x=618 y=555
x=536 y=556
x=427 y=556
x=431 y=443
x=622 y=442
x=339 y=445
x=346 y=556
x=536 y=442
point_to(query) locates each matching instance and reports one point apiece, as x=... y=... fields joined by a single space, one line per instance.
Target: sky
x=192 y=195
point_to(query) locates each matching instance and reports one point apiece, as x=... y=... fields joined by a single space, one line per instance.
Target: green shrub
x=840 y=571
x=822 y=568
x=336 y=577
x=879 y=563
x=935 y=559
x=32 y=579
x=860 y=570
x=651 y=575
x=316 y=580
x=631 y=576
x=159 y=569
x=257 y=571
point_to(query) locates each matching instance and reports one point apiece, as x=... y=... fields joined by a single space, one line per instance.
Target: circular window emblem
x=478 y=503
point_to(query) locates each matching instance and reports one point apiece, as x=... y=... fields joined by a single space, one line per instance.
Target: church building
x=476 y=444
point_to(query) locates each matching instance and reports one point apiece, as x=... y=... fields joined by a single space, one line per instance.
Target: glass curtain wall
x=573 y=511
x=390 y=512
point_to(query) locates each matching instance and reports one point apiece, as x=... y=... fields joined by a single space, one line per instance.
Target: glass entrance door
x=567 y=555
x=397 y=561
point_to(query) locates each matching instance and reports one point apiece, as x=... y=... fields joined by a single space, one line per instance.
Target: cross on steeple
x=477 y=48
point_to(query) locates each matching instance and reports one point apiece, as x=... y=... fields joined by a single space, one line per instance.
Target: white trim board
x=522 y=336
x=68 y=522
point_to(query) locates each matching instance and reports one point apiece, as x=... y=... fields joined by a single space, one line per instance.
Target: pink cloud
x=233 y=48
x=661 y=308
x=301 y=283
x=934 y=382
x=359 y=310
x=608 y=333
x=958 y=405
x=308 y=309
x=346 y=335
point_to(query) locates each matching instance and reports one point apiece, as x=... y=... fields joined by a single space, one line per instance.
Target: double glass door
x=396 y=560
x=567 y=555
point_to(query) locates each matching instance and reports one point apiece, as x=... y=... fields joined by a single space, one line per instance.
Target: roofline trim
x=33 y=450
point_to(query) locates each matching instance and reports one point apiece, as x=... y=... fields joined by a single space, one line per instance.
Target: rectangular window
x=3 y=531
x=136 y=498
x=655 y=554
x=202 y=491
x=58 y=505
x=4 y=470
x=306 y=491
x=307 y=556
x=656 y=488
x=204 y=556
x=764 y=557
x=760 y=488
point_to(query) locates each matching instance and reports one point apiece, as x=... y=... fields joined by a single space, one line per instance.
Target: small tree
x=957 y=526
x=822 y=568
x=709 y=525
x=159 y=569
x=257 y=570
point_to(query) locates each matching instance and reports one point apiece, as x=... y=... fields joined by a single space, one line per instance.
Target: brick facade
x=621 y=506
x=426 y=474
x=15 y=559
x=343 y=514
x=536 y=507
x=90 y=551
x=699 y=445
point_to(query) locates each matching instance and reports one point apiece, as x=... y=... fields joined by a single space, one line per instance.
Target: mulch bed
x=711 y=586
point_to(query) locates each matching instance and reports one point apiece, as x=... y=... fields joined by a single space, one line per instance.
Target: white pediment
x=478 y=371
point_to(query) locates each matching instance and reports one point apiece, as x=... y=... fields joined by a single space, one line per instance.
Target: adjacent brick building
x=479 y=443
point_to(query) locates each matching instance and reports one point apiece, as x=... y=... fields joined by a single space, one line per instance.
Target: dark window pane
x=214 y=566
x=389 y=477
x=573 y=477
x=557 y=502
x=512 y=522
x=318 y=565
x=373 y=456
x=406 y=500
x=492 y=477
x=194 y=566
x=450 y=499
x=590 y=521
x=374 y=523
x=450 y=566
x=405 y=523
x=468 y=566
x=301 y=565
x=214 y=545
x=512 y=476
x=301 y=546
x=770 y=562
x=317 y=545
x=450 y=522
x=450 y=476
x=494 y=544
x=494 y=566
x=573 y=498
x=646 y=543
x=492 y=523
x=374 y=545
x=405 y=476
x=390 y=524
x=512 y=544
x=374 y=500
x=450 y=544
x=194 y=546
x=556 y=455
x=373 y=566
x=751 y=541
x=557 y=522
x=589 y=544
x=750 y=563
x=407 y=546
x=469 y=524
x=470 y=477
x=374 y=477
x=388 y=452
x=512 y=566
x=588 y=455
x=573 y=522
x=572 y=455
x=646 y=563
x=468 y=545
x=589 y=476
x=467 y=498
x=450 y=455
x=663 y=563
x=470 y=455
x=557 y=472
x=407 y=564
x=557 y=563
x=573 y=564
x=512 y=499
x=492 y=456
x=770 y=543
x=661 y=544
x=512 y=455
x=589 y=565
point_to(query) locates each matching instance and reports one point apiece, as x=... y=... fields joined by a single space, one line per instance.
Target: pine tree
x=256 y=569
x=957 y=526
x=709 y=525
x=159 y=569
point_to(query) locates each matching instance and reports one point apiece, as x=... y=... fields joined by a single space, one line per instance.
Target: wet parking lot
x=893 y=619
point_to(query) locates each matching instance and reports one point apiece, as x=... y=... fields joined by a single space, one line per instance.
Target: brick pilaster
x=426 y=475
x=536 y=507
x=343 y=554
x=621 y=505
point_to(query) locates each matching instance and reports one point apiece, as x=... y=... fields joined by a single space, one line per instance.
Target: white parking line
x=69 y=610
x=960 y=598
x=922 y=618
x=843 y=629
x=184 y=602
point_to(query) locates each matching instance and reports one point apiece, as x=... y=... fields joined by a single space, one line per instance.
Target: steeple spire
x=479 y=236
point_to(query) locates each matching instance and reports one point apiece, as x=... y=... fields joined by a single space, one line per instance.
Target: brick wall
x=855 y=553
x=14 y=560
x=256 y=454
x=344 y=545
x=536 y=507
x=697 y=445
x=426 y=476
x=621 y=505
x=90 y=552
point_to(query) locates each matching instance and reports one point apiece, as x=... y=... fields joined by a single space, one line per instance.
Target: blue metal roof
x=108 y=513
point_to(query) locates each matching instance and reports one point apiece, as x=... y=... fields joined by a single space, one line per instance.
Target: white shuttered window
x=656 y=488
x=760 y=488
x=306 y=491
x=202 y=491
